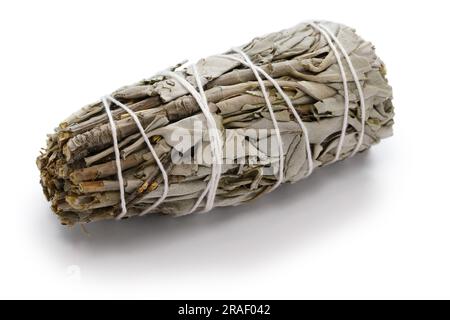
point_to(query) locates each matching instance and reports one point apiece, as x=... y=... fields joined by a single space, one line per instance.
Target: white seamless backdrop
x=375 y=226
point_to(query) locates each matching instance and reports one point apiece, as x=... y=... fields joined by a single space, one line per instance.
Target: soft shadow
x=232 y=238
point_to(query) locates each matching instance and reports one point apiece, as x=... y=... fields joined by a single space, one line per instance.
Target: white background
x=375 y=226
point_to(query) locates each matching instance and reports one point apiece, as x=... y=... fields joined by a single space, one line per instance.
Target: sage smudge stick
x=78 y=168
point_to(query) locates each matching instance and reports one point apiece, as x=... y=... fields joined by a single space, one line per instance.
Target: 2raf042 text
x=226 y=309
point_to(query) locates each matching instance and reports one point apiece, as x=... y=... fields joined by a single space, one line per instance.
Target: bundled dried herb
x=78 y=168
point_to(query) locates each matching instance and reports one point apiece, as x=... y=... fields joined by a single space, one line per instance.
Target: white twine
x=322 y=29
x=344 y=81
x=214 y=133
x=272 y=116
x=290 y=105
x=214 y=136
x=117 y=155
